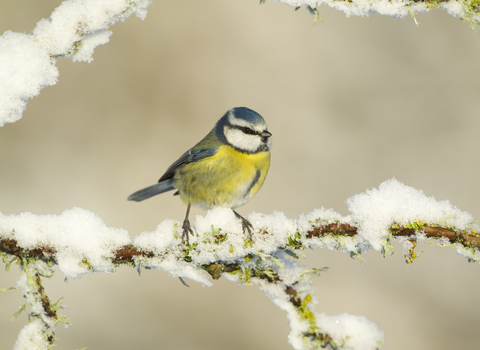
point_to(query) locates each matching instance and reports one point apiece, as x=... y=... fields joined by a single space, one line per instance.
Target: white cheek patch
x=238 y=139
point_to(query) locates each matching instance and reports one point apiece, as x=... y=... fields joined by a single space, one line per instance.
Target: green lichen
x=306 y=314
x=295 y=241
x=8 y=260
x=314 y=11
x=24 y=263
x=432 y=4
x=21 y=309
x=307 y=275
x=472 y=11
x=57 y=306
x=411 y=256
x=291 y=253
x=248 y=243
x=276 y=260
x=85 y=264
x=245 y=274
x=175 y=229
x=183 y=282
x=387 y=247
x=356 y=255
x=187 y=251
x=417 y=225
x=220 y=238
x=413 y=16
x=215 y=269
x=445 y=218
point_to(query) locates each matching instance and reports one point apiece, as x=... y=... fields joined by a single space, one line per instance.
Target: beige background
x=351 y=102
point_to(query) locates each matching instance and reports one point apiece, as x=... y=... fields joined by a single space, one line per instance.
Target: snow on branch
x=79 y=242
x=75 y=28
x=466 y=10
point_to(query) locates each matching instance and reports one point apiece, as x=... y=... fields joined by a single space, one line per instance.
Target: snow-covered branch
x=75 y=28
x=79 y=243
x=466 y=10
x=128 y=254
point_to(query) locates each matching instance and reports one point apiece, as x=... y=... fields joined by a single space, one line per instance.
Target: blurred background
x=351 y=102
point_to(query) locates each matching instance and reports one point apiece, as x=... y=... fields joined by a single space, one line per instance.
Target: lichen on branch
x=79 y=242
x=466 y=10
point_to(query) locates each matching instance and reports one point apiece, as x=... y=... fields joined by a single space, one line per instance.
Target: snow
x=393 y=202
x=157 y=241
x=75 y=28
x=74 y=19
x=458 y=9
x=393 y=8
x=352 y=331
x=83 y=243
x=89 y=43
x=31 y=337
x=24 y=70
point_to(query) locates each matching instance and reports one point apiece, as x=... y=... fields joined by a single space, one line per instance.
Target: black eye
x=248 y=131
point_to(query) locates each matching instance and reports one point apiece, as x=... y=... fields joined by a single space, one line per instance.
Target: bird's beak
x=265 y=134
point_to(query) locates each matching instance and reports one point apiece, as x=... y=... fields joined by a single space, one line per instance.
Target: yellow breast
x=228 y=179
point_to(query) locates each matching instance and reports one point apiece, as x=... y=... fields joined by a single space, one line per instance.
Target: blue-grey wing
x=193 y=155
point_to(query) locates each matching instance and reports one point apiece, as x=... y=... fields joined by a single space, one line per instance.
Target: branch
x=128 y=254
x=74 y=30
x=466 y=239
x=466 y=10
x=79 y=242
x=77 y=27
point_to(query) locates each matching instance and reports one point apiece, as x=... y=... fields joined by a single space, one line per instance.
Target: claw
x=246 y=225
x=187 y=229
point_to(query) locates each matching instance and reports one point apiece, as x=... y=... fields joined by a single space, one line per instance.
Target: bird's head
x=244 y=129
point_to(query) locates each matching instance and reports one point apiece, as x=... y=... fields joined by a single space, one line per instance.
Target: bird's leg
x=187 y=229
x=246 y=225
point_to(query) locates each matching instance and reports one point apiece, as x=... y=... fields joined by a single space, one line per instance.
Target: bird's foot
x=246 y=225
x=187 y=230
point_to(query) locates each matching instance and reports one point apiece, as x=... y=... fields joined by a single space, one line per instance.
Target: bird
x=225 y=169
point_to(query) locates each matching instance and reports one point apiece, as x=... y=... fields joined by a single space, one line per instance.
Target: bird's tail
x=151 y=191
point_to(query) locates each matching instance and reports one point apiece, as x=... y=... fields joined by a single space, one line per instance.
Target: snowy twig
x=77 y=27
x=466 y=10
x=469 y=240
x=74 y=30
x=43 y=315
x=289 y=291
x=79 y=242
x=127 y=254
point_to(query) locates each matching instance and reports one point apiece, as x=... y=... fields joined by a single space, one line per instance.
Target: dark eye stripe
x=248 y=131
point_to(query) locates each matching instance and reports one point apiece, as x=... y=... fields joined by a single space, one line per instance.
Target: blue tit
x=225 y=169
